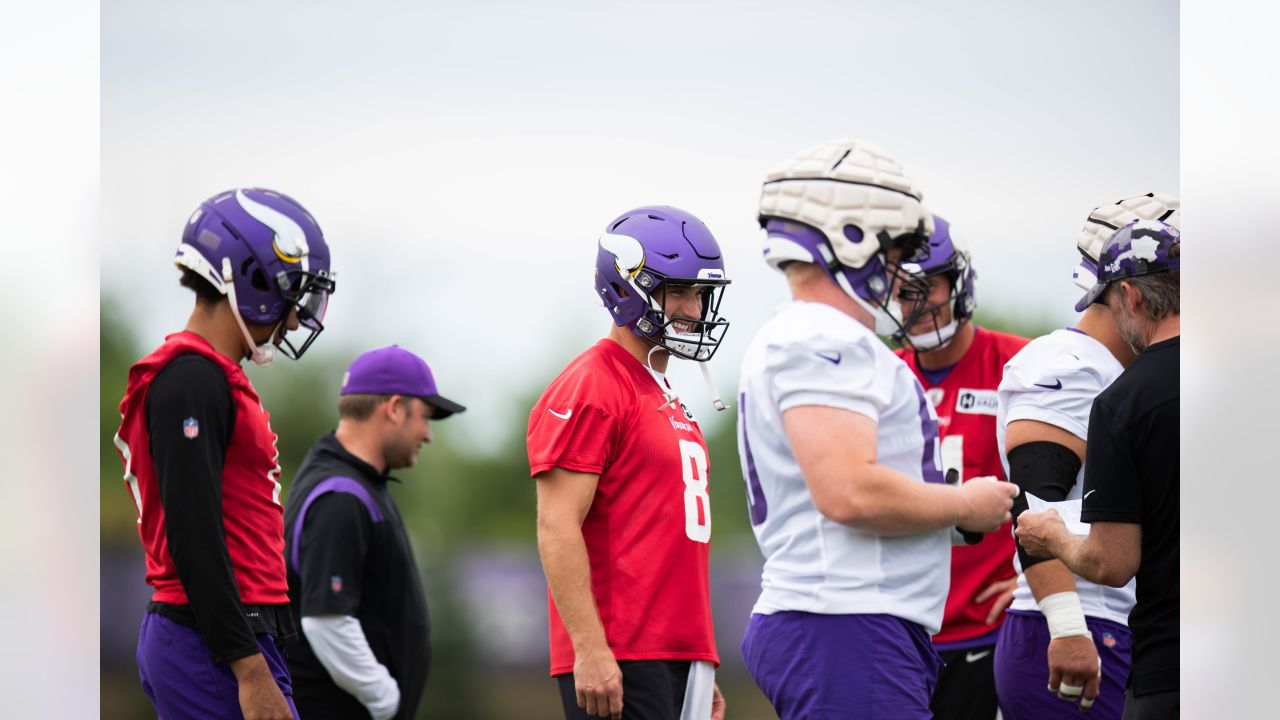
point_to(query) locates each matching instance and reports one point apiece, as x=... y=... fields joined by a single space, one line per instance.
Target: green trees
x=464 y=498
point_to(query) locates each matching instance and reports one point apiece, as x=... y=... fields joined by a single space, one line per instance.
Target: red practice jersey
x=649 y=526
x=965 y=401
x=253 y=518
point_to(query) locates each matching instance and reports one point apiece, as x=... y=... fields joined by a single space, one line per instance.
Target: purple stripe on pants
x=842 y=666
x=1022 y=670
x=185 y=684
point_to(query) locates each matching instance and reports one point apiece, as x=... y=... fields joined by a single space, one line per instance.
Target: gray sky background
x=463 y=157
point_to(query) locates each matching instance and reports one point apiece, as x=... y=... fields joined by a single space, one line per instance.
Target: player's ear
x=394 y=409
x=1132 y=296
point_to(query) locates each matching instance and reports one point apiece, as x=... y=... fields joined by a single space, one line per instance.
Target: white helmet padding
x=1103 y=222
x=846 y=182
x=843 y=205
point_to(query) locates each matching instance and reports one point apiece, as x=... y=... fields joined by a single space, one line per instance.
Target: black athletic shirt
x=190 y=478
x=351 y=556
x=1131 y=476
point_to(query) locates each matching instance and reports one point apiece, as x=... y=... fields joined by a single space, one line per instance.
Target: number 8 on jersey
x=697 y=504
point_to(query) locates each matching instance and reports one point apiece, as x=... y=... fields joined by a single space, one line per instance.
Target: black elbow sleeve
x=1046 y=469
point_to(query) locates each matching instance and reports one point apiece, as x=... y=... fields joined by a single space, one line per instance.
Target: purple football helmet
x=1142 y=247
x=644 y=251
x=266 y=253
x=940 y=255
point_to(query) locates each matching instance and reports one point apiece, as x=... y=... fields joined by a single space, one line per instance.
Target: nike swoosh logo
x=1090 y=493
x=975 y=657
x=833 y=360
x=1057 y=385
x=565 y=416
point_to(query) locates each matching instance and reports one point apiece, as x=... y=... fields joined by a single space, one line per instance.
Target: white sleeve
x=1058 y=394
x=828 y=372
x=339 y=643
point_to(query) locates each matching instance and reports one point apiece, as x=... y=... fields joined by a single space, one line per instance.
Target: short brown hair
x=359 y=406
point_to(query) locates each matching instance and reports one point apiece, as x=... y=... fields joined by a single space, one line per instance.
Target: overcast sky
x=462 y=158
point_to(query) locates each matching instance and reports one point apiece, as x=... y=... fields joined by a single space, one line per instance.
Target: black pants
x=966 y=685
x=1158 y=706
x=651 y=690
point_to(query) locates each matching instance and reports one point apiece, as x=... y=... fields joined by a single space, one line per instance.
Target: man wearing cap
x=1061 y=627
x=1131 y=492
x=352 y=576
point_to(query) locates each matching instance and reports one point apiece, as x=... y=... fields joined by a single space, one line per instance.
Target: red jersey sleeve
x=574 y=424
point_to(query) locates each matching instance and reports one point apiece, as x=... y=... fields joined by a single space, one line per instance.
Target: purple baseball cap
x=392 y=370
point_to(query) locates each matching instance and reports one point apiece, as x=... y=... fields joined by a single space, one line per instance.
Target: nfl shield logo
x=335 y=583
x=190 y=428
x=1108 y=639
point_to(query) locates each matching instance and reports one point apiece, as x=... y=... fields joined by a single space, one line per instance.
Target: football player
x=960 y=364
x=1131 y=487
x=624 y=518
x=1064 y=632
x=839 y=447
x=201 y=460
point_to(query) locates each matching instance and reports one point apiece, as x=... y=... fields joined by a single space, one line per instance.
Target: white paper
x=1068 y=509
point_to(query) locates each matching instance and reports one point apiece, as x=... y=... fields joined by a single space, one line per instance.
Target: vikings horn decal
x=290 y=242
x=627 y=251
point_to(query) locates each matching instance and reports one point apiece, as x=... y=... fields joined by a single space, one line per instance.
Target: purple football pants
x=1022 y=670
x=182 y=680
x=868 y=667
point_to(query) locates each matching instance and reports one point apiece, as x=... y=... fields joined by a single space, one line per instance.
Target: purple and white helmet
x=946 y=255
x=1106 y=219
x=647 y=249
x=266 y=253
x=845 y=205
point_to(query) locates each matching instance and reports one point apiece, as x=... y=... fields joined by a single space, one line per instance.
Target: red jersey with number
x=649 y=525
x=965 y=401
x=252 y=516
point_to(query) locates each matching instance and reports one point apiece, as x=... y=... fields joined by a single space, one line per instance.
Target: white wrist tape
x=1065 y=616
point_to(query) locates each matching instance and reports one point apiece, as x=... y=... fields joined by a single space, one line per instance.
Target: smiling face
x=407 y=429
x=683 y=304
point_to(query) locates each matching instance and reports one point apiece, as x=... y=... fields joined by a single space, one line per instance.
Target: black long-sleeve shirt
x=188 y=465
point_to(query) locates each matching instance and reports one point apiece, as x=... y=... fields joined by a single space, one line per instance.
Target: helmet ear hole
x=619 y=290
x=256 y=278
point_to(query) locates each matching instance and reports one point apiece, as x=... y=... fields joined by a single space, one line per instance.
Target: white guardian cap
x=1103 y=222
x=844 y=205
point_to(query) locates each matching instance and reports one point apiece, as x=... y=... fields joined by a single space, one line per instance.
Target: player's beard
x=401 y=453
x=1132 y=328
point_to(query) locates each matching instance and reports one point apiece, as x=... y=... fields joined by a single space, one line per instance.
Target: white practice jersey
x=1054 y=380
x=813 y=354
